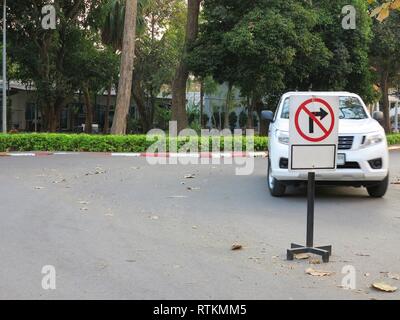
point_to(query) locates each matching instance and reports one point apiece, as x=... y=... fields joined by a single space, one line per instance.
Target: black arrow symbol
x=321 y=114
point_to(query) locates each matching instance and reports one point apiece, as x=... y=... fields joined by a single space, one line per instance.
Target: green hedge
x=393 y=139
x=106 y=143
x=109 y=143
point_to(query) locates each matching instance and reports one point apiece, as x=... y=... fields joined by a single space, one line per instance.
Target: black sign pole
x=310 y=209
x=325 y=251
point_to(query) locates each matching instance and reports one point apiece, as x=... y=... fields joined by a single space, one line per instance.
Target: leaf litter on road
x=381 y=286
x=302 y=256
x=318 y=273
x=193 y=188
x=236 y=247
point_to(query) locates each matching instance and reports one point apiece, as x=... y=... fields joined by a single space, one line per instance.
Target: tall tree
x=266 y=47
x=385 y=57
x=45 y=57
x=126 y=69
x=182 y=71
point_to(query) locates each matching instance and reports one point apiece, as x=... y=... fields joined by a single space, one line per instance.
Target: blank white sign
x=310 y=157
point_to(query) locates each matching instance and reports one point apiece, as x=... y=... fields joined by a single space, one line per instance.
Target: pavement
x=119 y=228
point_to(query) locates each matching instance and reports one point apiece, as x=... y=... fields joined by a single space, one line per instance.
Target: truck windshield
x=350 y=108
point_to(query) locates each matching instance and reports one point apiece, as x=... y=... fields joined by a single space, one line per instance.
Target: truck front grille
x=346 y=142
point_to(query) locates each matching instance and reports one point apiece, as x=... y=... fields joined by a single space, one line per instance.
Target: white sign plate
x=313 y=133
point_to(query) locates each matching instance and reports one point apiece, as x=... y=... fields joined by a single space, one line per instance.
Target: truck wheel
x=379 y=190
x=276 y=188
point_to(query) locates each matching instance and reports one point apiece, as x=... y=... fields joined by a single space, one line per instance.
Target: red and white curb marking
x=211 y=155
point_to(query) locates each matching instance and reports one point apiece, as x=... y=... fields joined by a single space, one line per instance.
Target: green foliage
x=111 y=143
x=58 y=62
x=162 y=117
x=393 y=139
x=107 y=143
x=265 y=47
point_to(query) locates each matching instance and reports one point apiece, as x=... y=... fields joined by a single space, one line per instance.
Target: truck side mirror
x=267 y=115
x=378 y=116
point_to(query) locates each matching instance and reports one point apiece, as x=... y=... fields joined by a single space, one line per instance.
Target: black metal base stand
x=326 y=251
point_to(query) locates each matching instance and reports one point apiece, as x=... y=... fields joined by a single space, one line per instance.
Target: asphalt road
x=118 y=228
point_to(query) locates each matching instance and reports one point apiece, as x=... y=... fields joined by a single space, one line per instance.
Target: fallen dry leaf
x=236 y=246
x=315 y=261
x=363 y=254
x=384 y=287
x=318 y=273
x=193 y=188
x=301 y=256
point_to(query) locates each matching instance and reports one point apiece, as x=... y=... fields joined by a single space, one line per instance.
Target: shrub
x=104 y=143
x=110 y=143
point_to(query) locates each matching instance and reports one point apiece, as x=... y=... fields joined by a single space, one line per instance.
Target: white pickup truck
x=363 y=157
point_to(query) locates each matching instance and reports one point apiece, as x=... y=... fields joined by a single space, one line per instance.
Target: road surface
x=119 y=228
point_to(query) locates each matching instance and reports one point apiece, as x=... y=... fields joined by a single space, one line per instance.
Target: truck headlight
x=372 y=139
x=283 y=137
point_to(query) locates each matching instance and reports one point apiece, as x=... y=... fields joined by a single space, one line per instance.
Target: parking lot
x=119 y=228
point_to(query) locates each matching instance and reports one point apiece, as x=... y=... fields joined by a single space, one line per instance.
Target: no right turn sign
x=313 y=133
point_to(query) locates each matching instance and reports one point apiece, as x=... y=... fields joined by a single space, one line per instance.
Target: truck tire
x=379 y=190
x=276 y=188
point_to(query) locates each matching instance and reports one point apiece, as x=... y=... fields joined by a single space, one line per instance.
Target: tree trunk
x=182 y=71
x=201 y=103
x=141 y=105
x=126 y=69
x=262 y=124
x=106 y=127
x=88 y=110
x=385 y=100
x=250 y=122
x=227 y=107
x=51 y=118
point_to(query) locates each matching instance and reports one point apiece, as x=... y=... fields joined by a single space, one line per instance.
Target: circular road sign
x=324 y=111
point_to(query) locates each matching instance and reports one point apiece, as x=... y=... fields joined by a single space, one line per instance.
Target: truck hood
x=347 y=126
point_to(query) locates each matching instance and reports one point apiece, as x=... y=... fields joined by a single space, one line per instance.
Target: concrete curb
x=393 y=148
x=210 y=155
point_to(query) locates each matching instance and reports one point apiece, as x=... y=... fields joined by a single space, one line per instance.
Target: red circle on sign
x=302 y=107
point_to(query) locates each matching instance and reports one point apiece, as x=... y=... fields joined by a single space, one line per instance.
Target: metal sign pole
x=4 y=67
x=310 y=209
x=325 y=251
